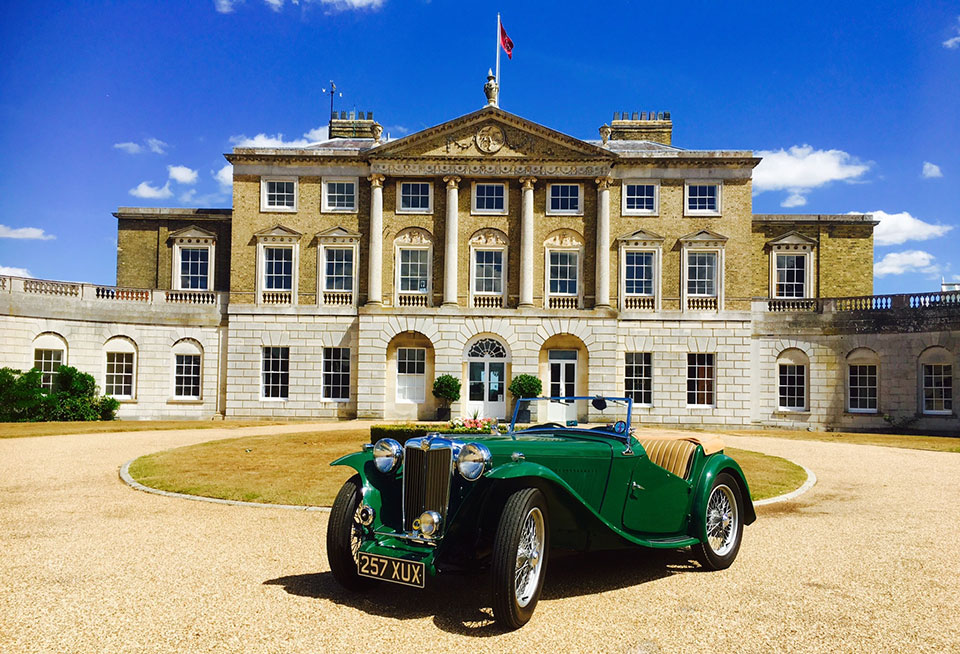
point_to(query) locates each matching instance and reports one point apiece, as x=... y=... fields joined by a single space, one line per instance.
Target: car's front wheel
x=520 y=557
x=344 y=536
x=722 y=524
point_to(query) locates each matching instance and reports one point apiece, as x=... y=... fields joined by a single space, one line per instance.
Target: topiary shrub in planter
x=525 y=386
x=446 y=388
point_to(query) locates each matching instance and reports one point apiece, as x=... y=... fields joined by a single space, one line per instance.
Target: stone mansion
x=350 y=273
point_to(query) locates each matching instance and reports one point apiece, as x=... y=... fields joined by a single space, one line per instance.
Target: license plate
x=388 y=568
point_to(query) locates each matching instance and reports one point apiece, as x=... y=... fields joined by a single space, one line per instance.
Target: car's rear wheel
x=722 y=524
x=520 y=557
x=344 y=536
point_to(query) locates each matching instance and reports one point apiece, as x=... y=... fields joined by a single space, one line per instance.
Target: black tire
x=510 y=611
x=714 y=556
x=342 y=528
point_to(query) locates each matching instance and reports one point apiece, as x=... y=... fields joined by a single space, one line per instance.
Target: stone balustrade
x=488 y=301
x=864 y=303
x=562 y=302
x=411 y=300
x=110 y=294
x=276 y=297
x=698 y=303
x=338 y=298
x=639 y=303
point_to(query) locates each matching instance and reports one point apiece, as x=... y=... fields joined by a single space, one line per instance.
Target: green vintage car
x=444 y=502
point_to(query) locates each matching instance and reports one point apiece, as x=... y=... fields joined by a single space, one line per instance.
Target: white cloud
x=897 y=228
x=153 y=144
x=182 y=174
x=353 y=4
x=931 y=170
x=14 y=272
x=263 y=140
x=224 y=177
x=224 y=6
x=801 y=169
x=954 y=42
x=145 y=190
x=908 y=261
x=129 y=147
x=276 y=5
x=32 y=233
x=206 y=200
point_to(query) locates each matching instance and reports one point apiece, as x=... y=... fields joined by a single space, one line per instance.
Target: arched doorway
x=563 y=370
x=486 y=378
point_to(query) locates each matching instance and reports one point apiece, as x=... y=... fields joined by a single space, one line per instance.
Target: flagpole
x=498 y=58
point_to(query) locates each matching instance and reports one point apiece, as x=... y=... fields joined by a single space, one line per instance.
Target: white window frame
x=325 y=204
x=185 y=244
x=936 y=356
x=277 y=242
x=640 y=212
x=657 y=253
x=187 y=347
x=625 y=365
x=420 y=399
x=53 y=342
x=713 y=386
x=121 y=345
x=396 y=272
x=862 y=357
x=489 y=212
x=263 y=385
x=401 y=210
x=322 y=269
x=578 y=250
x=685 y=277
x=267 y=208
x=807 y=255
x=687 y=211
x=44 y=373
x=793 y=357
x=323 y=376
x=502 y=249
x=564 y=212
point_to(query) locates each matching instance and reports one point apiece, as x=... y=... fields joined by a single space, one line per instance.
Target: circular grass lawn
x=295 y=468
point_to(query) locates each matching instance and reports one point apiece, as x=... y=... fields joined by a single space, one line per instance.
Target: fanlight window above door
x=487 y=348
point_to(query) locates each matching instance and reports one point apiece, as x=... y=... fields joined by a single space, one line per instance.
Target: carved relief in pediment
x=488 y=237
x=564 y=238
x=414 y=236
x=491 y=139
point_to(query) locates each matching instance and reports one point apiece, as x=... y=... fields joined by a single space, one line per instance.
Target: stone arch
x=413 y=236
x=792 y=380
x=409 y=378
x=554 y=326
x=489 y=236
x=565 y=341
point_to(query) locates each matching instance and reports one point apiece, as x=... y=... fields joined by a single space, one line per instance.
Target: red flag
x=505 y=42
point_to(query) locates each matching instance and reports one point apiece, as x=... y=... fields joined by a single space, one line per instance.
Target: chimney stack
x=642 y=126
x=354 y=125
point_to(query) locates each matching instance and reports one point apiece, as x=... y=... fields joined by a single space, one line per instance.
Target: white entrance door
x=486 y=379
x=563 y=383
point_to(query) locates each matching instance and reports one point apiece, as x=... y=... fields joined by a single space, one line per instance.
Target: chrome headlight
x=473 y=461
x=429 y=524
x=387 y=455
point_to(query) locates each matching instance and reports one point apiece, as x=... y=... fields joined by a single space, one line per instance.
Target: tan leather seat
x=675 y=455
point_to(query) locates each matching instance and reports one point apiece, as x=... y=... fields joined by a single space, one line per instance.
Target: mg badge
x=424 y=445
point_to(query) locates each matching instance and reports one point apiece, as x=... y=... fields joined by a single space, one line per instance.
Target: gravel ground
x=868 y=561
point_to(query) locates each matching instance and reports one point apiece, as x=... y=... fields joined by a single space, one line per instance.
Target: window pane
x=700 y=379
x=639 y=273
x=341 y=195
x=791 y=275
x=565 y=197
x=862 y=387
x=194 y=264
x=641 y=197
x=702 y=197
x=489 y=197
x=186 y=376
x=276 y=372
x=278 y=269
x=281 y=194
x=411 y=374
x=702 y=273
x=336 y=373
x=792 y=387
x=563 y=273
x=638 y=377
x=938 y=388
x=338 y=275
x=414 y=270
x=119 y=377
x=415 y=196
x=48 y=362
x=488 y=271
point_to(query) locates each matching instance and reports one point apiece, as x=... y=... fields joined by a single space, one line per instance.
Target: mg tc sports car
x=445 y=503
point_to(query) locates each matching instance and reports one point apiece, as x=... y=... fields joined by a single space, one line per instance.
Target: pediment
x=338 y=232
x=278 y=230
x=491 y=134
x=640 y=235
x=792 y=238
x=192 y=232
x=702 y=236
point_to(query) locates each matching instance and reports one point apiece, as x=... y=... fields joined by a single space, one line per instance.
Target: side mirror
x=599 y=403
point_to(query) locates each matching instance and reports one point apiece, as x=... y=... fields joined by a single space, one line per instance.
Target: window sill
x=702 y=214
x=354 y=210
x=701 y=406
x=185 y=400
x=781 y=411
x=410 y=401
x=278 y=210
x=125 y=400
x=862 y=412
x=651 y=214
x=404 y=212
x=563 y=213
x=487 y=212
x=938 y=414
x=332 y=400
x=273 y=399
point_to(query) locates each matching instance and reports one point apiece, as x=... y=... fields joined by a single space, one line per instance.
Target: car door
x=657 y=501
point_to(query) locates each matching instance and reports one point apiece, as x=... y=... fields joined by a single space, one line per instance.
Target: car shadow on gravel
x=459 y=603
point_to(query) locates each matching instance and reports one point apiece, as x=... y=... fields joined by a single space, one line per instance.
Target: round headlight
x=429 y=524
x=473 y=461
x=387 y=454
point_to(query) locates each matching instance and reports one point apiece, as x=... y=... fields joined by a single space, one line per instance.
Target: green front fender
x=362 y=462
x=714 y=465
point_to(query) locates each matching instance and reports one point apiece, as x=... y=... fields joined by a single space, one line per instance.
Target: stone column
x=450 y=259
x=526 y=243
x=375 y=265
x=603 y=242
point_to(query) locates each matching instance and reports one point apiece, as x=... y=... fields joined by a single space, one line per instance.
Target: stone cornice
x=478 y=168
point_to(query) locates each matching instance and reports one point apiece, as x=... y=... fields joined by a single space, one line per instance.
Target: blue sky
x=856 y=107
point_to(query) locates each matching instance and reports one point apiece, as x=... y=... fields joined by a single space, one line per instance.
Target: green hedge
x=402 y=433
x=73 y=397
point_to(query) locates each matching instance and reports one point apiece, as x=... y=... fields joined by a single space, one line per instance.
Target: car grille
x=426 y=480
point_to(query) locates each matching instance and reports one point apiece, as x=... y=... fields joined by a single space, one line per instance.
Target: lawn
x=907 y=441
x=294 y=468
x=23 y=429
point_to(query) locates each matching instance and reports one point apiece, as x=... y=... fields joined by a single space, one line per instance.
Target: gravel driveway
x=868 y=561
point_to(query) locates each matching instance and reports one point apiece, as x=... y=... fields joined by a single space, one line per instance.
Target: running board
x=675 y=541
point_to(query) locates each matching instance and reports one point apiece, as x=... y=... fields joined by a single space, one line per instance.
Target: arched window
x=120 y=376
x=49 y=353
x=863 y=381
x=187 y=369
x=487 y=348
x=793 y=374
x=936 y=381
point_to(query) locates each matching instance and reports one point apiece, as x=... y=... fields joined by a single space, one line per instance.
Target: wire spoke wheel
x=722 y=524
x=345 y=535
x=529 y=556
x=520 y=551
